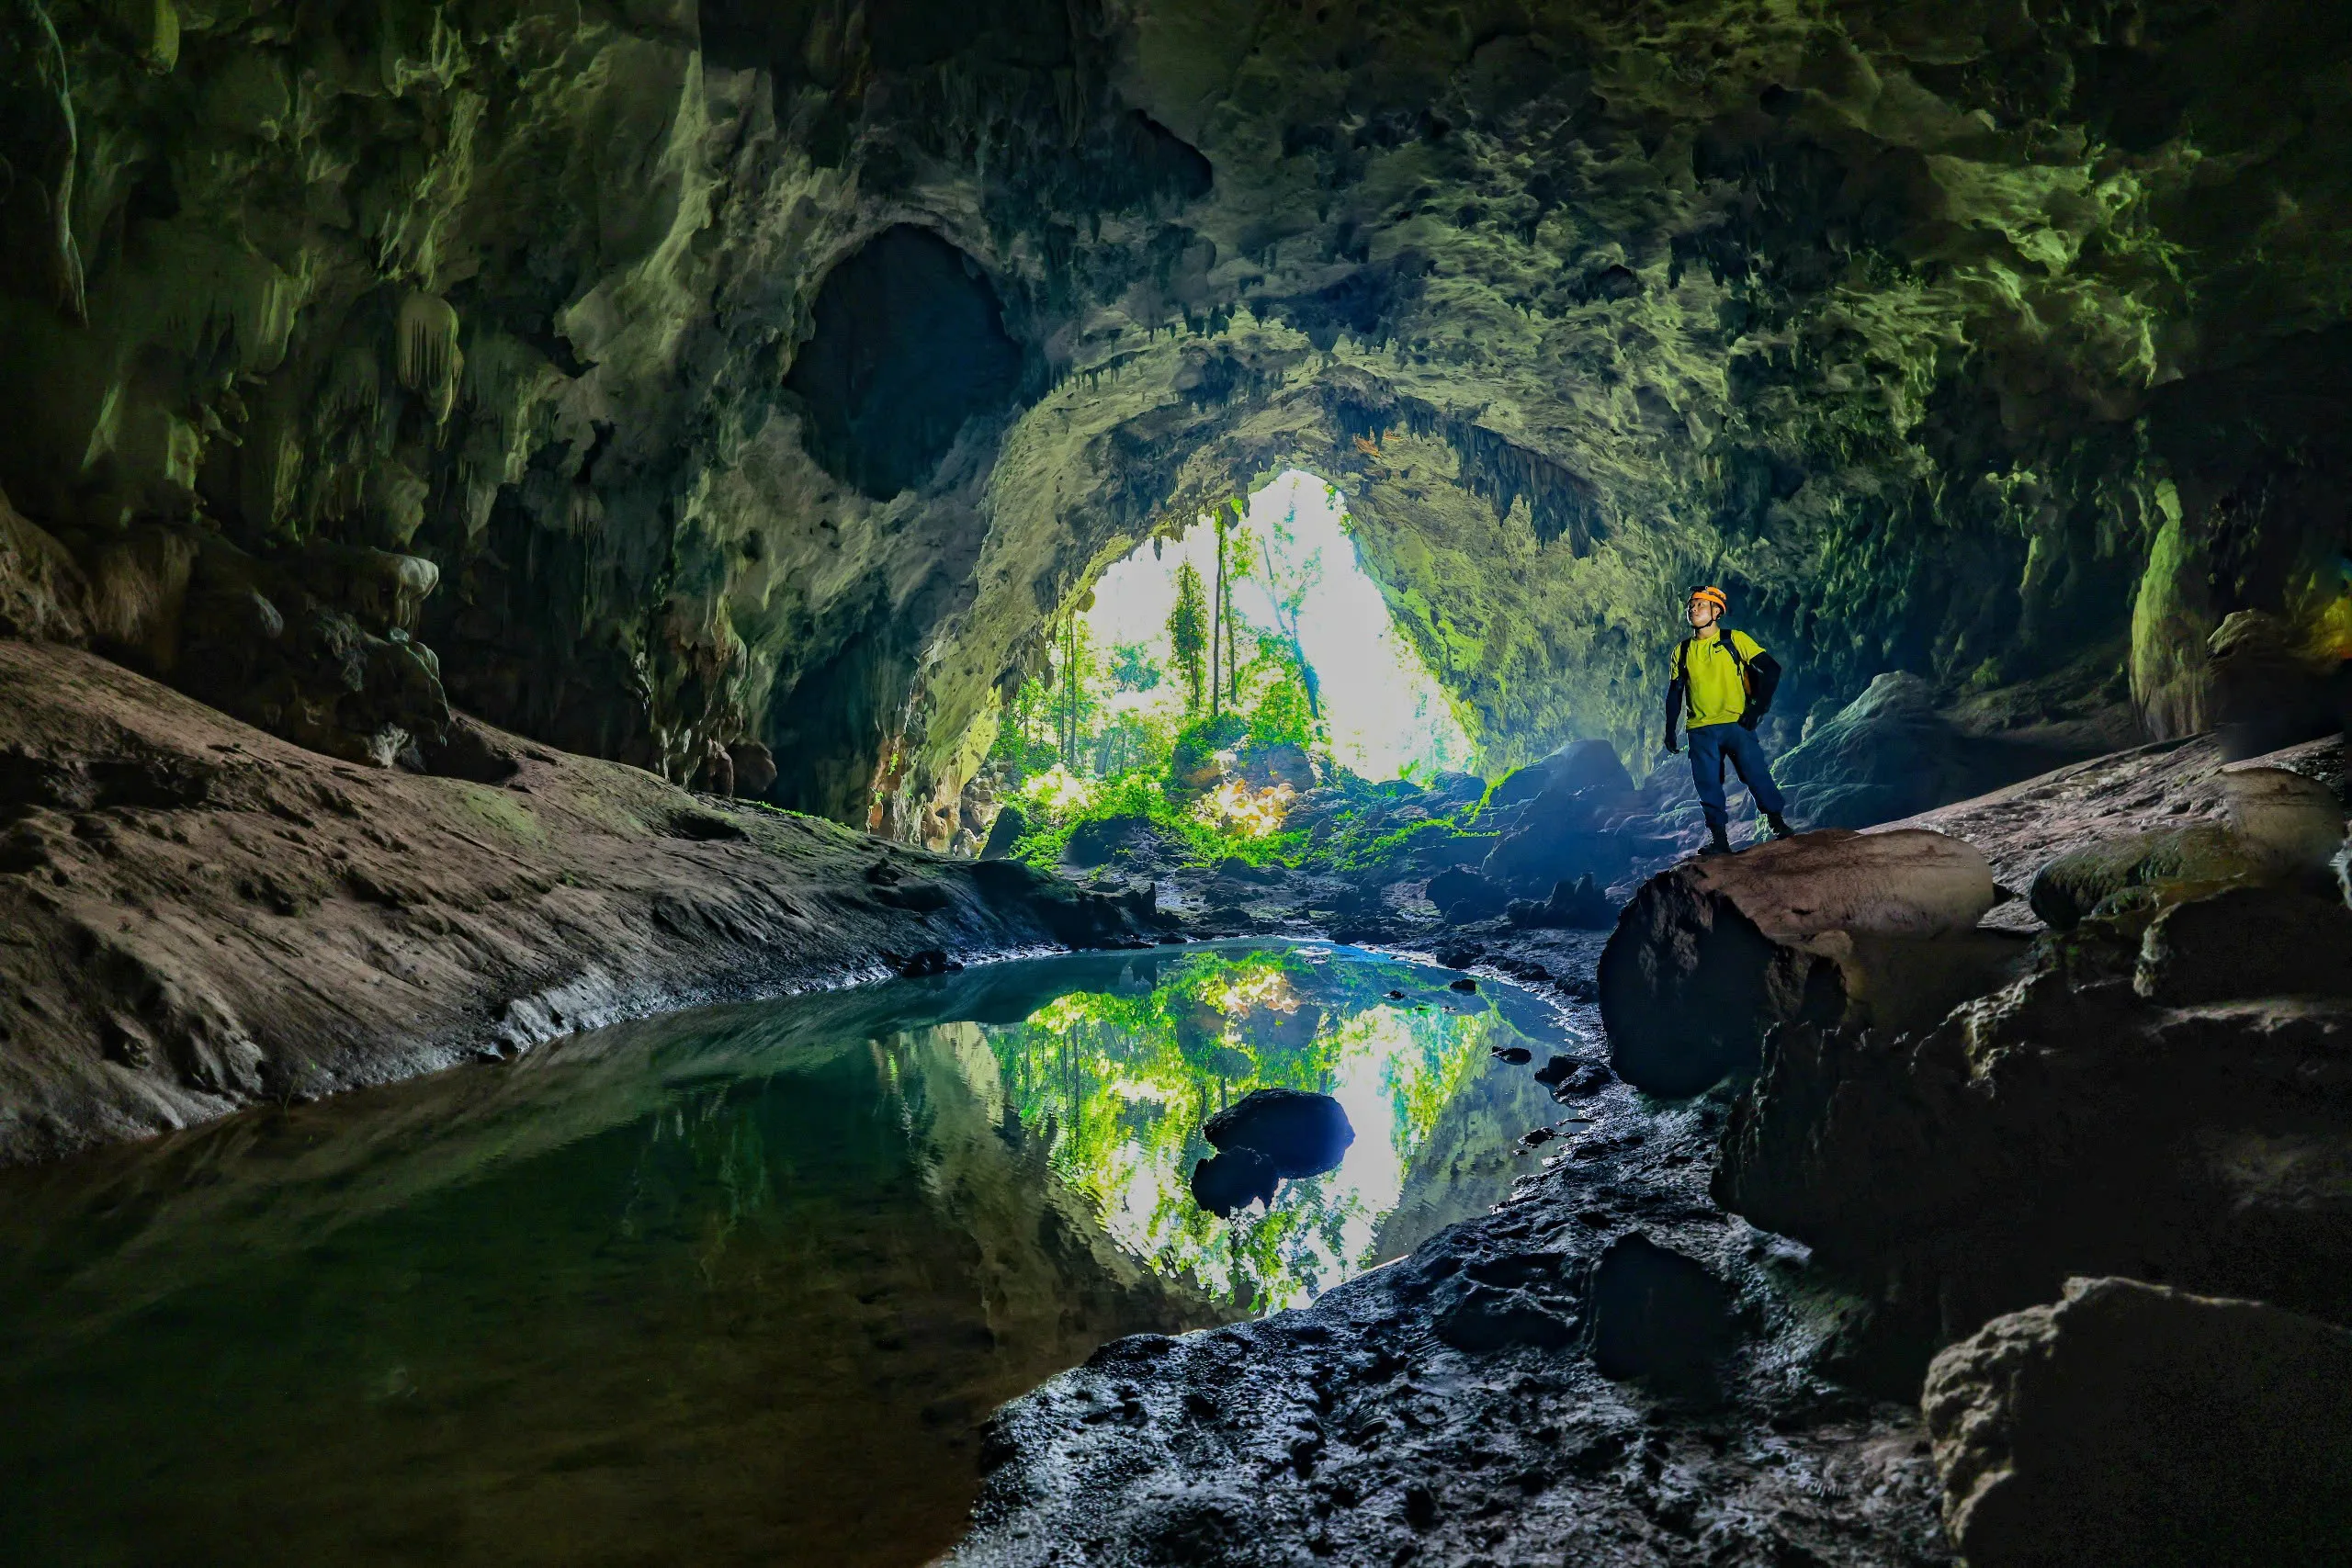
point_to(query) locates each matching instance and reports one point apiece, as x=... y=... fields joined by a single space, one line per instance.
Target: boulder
x=1890 y=754
x=1463 y=896
x=2172 y=862
x=1011 y=824
x=1586 y=818
x=1302 y=1133
x=2131 y=1424
x=43 y=595
x=1100 y=840
x=1579 y=764
x=1827 y=928
x=1451 y=789
x=2246 y=941
x=754 y=768
x=1573 y=906
x=2060 y=1125
x=2270 y=687
x=1284 y=763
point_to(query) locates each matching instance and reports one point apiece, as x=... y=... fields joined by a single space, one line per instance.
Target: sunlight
x=1383 y=711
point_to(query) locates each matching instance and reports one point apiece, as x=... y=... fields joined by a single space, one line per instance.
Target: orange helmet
x=1714 y=596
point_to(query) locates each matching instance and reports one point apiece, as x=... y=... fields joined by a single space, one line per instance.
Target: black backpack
x=1747 y=675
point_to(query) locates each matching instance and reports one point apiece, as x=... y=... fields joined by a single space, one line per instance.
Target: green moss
x=501 y=811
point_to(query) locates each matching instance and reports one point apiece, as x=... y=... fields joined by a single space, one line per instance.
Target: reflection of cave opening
x=908 y=345
x=1303 y=611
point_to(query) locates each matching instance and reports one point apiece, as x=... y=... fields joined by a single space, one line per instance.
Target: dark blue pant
x=1710 y=746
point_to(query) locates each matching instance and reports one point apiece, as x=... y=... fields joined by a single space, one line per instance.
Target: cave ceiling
x=776 y=370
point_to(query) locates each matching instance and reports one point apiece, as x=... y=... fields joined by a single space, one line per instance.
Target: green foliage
x=1199 y=742
x=1133 y=669
x=1188 y=633
x=1144 y=795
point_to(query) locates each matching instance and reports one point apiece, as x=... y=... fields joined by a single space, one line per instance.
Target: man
x=1726 y=681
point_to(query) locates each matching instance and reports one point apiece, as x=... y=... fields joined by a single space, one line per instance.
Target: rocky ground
x=1618 y=1366
x=195 y=916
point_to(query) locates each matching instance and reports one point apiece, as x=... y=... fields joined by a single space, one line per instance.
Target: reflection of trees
x=1118 y=1086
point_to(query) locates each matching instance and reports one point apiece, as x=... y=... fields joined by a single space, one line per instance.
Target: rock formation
x=1825 y=928
x=2132 y=1424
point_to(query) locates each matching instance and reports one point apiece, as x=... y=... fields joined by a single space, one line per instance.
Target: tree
x=1074 y=655
x=1188 y=632
x=1216 y=617
x=1289 y=599
x=1133 y=669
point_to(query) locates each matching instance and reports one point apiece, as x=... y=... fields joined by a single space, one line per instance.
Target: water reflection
x=737 y=1283
x=1119 y=1082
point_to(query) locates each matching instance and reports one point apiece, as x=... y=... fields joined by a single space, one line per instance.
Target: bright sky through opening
x=1383 y=709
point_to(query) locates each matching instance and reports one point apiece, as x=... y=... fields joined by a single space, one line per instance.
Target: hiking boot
x=1780 y=825
x=1718 y=841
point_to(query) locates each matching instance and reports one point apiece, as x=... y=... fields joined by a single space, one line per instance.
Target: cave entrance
x=1307 y=651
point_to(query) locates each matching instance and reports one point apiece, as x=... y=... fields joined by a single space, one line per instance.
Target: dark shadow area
x=909 y=343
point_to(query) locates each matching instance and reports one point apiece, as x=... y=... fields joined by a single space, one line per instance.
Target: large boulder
x=2246 y=941
x=1011 y=824
x=1891 y=753
x=1463 y=895
x=2138 y=1427
x=2283 y=830
x=1829 y=928
x=1575 y=813
x=1099 y=841
x=1573 y=906
x=2061 y=1126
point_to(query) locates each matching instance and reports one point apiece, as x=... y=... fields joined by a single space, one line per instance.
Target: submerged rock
x=2132 y=1425
x=1234 y=1179
x=1300 y=1132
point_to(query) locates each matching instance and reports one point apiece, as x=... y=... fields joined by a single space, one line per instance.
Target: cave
x=520 y=527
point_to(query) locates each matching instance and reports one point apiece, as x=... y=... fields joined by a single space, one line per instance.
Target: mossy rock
x=2071 y=887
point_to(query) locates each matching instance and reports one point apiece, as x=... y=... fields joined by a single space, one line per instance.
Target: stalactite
x=426 y=358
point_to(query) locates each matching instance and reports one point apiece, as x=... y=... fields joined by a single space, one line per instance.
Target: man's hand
x=1749 y=721
x=1672 y=750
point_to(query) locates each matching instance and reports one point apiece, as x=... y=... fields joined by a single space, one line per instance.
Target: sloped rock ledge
x=195 y=917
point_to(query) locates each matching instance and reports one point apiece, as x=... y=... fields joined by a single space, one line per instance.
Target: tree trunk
x=1216 y=620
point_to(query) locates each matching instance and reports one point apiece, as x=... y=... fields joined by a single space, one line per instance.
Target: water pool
x=742 y=1284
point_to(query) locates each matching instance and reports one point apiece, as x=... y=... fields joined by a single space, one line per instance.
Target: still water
x=736 y=1285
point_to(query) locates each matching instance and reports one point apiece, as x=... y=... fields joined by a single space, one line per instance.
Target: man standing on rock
x=1725 y=680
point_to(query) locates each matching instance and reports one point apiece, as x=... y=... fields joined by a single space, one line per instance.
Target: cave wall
x=773 y=370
